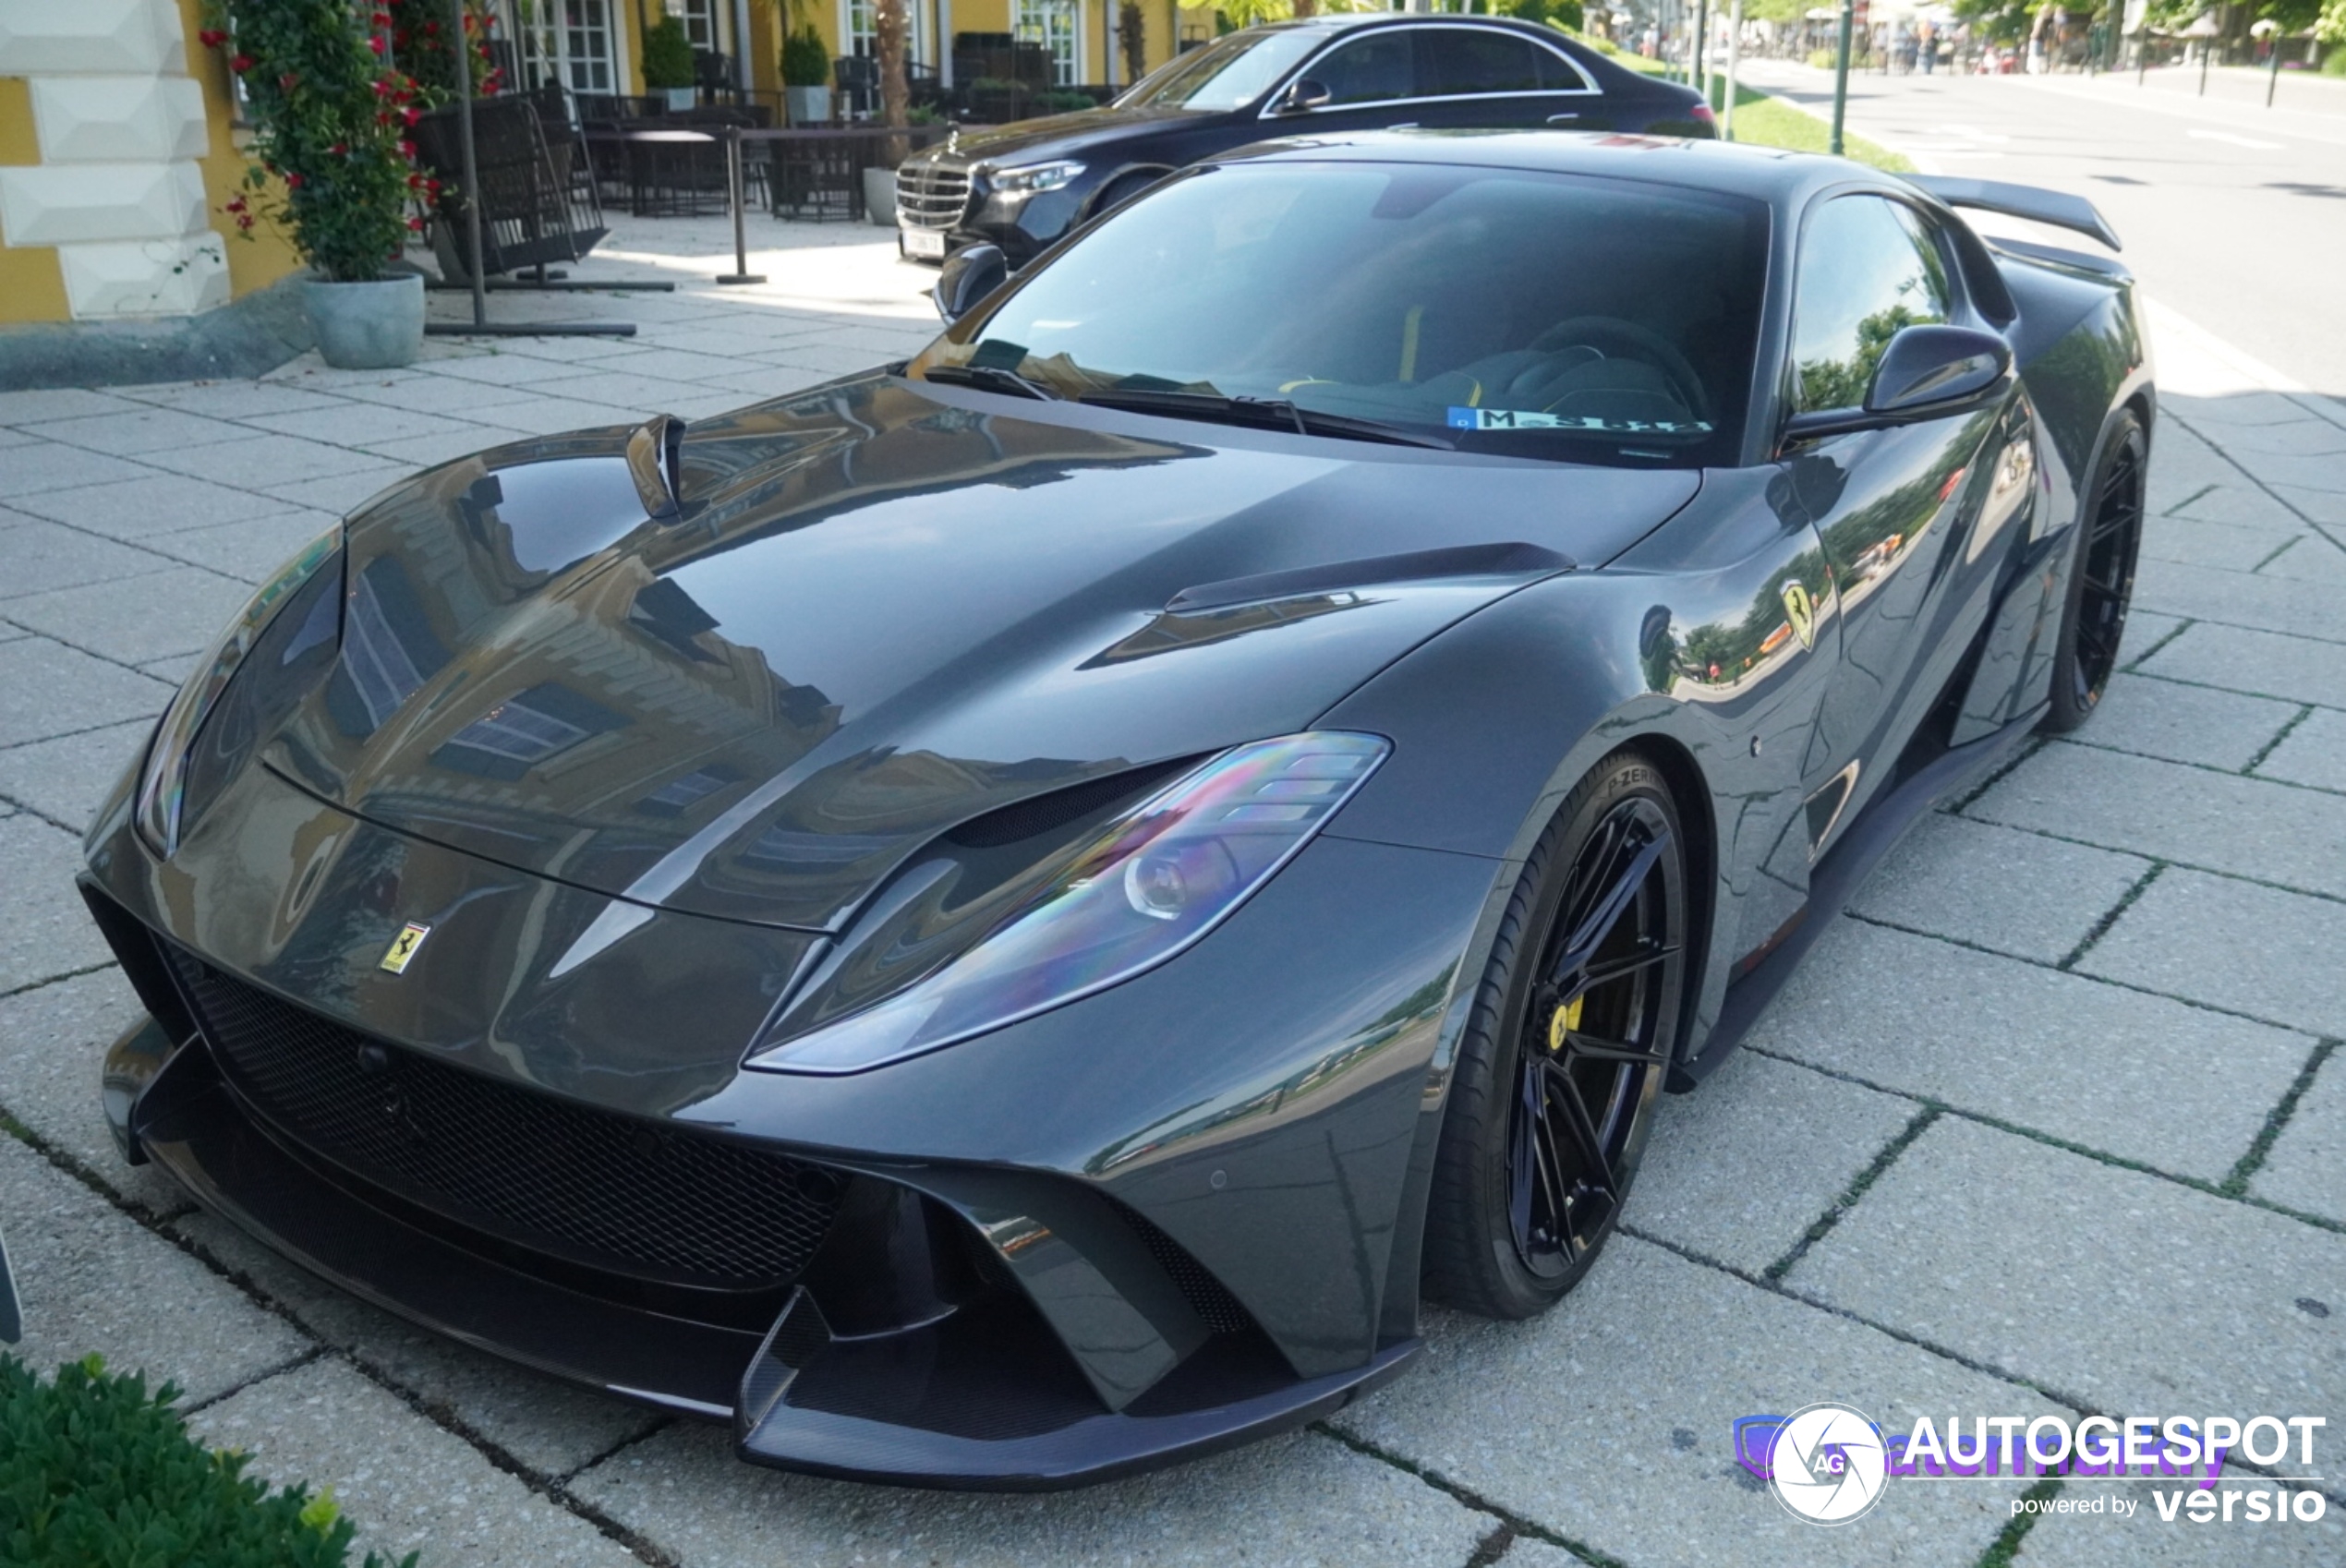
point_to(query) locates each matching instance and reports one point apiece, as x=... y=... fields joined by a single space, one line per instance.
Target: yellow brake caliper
x=1564 y=1021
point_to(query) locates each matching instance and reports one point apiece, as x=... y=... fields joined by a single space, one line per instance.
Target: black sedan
x=1004 y=920
x=1023 y=186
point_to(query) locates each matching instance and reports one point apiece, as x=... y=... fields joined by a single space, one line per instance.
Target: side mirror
x=969 y=274
x=1923 y=372
x=1302 y=93
x=1927 y=366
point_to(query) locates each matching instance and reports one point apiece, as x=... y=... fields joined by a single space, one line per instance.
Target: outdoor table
x=848 y=149
x=645 y=152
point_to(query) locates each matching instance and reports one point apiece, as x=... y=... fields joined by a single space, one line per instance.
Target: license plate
x=926 y=244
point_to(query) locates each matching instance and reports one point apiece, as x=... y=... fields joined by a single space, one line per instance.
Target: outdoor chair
x=533 y=212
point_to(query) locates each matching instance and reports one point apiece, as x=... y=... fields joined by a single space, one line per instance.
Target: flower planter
x=371 y=326
x=681 y=98
x=879 y=196
x=808 y=106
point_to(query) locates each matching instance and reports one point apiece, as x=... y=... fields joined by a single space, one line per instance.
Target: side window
x=1367 y=71
x=1474 y=60
x=1868 y=267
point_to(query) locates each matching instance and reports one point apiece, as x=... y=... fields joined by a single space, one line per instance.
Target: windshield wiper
x=990 y=378
x=1270 y=413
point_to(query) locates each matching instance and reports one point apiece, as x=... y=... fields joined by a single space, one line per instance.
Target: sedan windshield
x=1585 y=320
x=1227 y=74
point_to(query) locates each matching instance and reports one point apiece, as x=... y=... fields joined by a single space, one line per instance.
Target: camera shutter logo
x=1829 y=1464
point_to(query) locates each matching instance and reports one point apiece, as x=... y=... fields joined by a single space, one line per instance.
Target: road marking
x=1973 y=133
x=2248 y=141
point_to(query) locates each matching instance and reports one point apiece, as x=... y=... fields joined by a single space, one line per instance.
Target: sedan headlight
x=163 y=782
x=1148 y=884
x=1033 y=177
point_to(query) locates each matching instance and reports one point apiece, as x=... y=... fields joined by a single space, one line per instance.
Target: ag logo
x=1828 y=1465
x=1801 y=611
x=402 y=951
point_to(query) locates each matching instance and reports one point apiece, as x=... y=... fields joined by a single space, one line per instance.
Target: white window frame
x=1030 y=22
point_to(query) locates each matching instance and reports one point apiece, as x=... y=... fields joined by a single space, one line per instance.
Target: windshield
x=1228 y=73
x=1501 y=310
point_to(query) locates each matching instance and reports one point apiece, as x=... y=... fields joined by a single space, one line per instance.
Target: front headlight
x=1033 y=177
x=1145 y=886
x=163 y=782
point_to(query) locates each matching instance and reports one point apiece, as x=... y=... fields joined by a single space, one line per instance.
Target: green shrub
x=807 y=59
x=2336 y=64
x=95 y=1472
x=668 y=55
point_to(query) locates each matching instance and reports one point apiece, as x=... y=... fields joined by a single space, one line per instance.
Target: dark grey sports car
x=1004 y=920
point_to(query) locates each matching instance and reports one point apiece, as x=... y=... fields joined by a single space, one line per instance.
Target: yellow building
x=596 y=46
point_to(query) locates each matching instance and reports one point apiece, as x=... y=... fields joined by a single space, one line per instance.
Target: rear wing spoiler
x=2073 y=212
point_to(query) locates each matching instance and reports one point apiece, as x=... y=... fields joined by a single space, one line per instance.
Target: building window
x=861 y=33
x=1052 y=24
x=587 y=46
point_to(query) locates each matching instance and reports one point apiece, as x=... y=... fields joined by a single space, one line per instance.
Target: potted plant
x=667 y=62
x=332 y=167
x=806 y=77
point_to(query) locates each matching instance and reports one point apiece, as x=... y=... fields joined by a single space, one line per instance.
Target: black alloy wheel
x=1566 y=1051
x=2102 y=587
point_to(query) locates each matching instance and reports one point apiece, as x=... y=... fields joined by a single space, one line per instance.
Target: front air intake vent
x=609 y=1192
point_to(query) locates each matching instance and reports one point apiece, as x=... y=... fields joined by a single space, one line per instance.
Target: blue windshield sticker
x=1533 y=420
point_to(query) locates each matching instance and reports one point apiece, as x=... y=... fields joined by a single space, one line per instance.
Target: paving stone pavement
x=2057 y=1119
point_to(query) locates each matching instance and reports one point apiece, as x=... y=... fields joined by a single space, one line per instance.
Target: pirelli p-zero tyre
x=2102 y=576
x=1566 y=1050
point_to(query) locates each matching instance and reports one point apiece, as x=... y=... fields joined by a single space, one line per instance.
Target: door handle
x=1564 y=119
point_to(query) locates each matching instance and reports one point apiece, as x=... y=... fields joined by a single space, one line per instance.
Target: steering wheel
x=1611 y=336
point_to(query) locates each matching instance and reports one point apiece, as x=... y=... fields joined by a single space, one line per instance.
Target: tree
x=887 y=41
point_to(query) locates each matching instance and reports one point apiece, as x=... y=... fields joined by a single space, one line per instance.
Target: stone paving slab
x=178 y=610
x=404 y=1482
x=2273 y=832
x=2068 y=1056
x=47 y=689
x=1298 y=1500
x=2238 y=599
x=2158 y=718
x=1989 y=886
x=136 y=430
x=43 y=465
x=2235 y=945
x=1579 y=1420
x=250 y=552
x=52 y=1039
x=1739 y=1170
x=2194 y=542
x=92 y=1281
x=44 y=556
x=2313 y=754
x=49 y=929
x=2109 y=1286
x=2245 y=660
x=2143 y=1540
x=547 y=1426
x=138 y=511
x=2306 y=1167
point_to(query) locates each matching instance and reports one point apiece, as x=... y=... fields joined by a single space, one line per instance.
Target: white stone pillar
x=118 y=191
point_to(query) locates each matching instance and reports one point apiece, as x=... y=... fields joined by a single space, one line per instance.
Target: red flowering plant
x=330 y=119
x=419 y=43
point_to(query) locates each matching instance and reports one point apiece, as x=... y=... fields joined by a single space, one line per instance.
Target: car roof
x=1784 y=179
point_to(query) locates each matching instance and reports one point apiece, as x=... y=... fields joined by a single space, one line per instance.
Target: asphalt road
x=2233 y=215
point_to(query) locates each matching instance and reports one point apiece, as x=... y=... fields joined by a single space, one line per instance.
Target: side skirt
x=1836 y=877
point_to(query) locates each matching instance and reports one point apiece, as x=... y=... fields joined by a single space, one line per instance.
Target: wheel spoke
x=1594 y=1049
x=1622 y=890
x=1605 y=973
x=1565 y=1095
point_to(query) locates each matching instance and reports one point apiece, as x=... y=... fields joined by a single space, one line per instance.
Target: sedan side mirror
x=971 y=273
x=1302 y=93
x=1925 y=366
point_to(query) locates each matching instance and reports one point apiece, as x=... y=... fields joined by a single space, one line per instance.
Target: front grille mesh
x=931 y=192
x=1207 y=1297
x=600 y=1190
